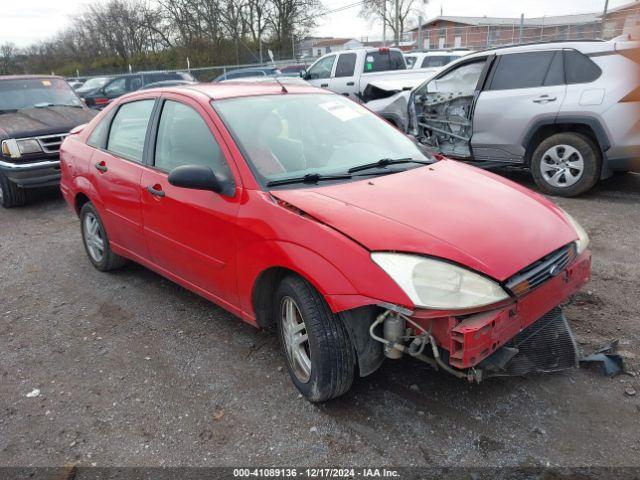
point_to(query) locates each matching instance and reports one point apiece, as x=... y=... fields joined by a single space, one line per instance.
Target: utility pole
x=521 y=27
x=397 y=23
x=384 y=23
x=420 y=43
x=604 y=17
x=260 y=46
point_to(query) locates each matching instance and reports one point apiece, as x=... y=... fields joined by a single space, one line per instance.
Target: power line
x=344 y=7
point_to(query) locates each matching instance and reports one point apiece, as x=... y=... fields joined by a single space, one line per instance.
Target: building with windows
x=334 y=45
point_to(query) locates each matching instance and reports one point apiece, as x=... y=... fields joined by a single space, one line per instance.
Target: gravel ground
x=134 y=370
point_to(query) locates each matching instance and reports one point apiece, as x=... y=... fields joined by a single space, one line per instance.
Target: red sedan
x=294 y=207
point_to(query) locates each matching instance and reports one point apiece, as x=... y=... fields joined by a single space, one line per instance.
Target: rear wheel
x=96 y=241
x=318 y=352
x=566 y=164
x=11 y=195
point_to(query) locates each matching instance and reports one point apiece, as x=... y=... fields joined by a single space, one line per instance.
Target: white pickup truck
x=349 y=72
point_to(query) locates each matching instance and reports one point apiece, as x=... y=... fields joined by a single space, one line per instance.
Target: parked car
x=292 y=70
x=313 y=215
x=76 y=82
x=567 y=111
x=247 y=72
x=36 y=113
x=116 y=86
x=349 y=72
x=433 y=58
x=92 y=84
x=168 y=83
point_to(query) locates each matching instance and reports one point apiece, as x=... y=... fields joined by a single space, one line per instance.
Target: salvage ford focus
x=298 y=209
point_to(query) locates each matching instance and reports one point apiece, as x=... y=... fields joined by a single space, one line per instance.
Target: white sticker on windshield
x=340 y=110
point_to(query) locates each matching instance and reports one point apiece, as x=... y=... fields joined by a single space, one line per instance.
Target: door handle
x=544 y=99
x=155 y=190
x=350 y=84
x=102 y=166
x=324 y=85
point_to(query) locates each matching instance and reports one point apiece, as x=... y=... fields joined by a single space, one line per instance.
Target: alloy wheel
x=562 y=166
x=93 y=237
x=296 y=340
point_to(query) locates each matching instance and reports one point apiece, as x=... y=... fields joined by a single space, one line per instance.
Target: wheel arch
x=586 y=125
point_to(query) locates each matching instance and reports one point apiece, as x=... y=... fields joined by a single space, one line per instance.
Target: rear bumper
x=474 y=338
x=41 y=173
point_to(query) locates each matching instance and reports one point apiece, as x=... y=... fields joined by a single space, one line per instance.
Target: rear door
x=521 y=89
x=343 y=80
x=191 y=233
x=116 y=169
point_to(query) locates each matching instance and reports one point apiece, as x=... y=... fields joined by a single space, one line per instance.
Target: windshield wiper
x=308 y=178
x=385 y=162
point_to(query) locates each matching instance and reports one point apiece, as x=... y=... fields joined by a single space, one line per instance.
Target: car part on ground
x=36 y=114
x=513 y=104
x=312 y=199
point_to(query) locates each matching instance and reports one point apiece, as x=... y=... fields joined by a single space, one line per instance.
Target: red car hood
x=447 y=210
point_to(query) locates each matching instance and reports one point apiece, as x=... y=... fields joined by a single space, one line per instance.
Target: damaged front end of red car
x=526 y=334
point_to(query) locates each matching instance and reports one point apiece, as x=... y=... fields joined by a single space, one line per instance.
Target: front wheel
x=11 y=195
x=566 y=164
x=317 y=349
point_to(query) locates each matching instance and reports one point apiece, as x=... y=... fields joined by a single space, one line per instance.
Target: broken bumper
x=471 y=339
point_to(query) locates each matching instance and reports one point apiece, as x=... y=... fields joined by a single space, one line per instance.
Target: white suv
x=569 y=111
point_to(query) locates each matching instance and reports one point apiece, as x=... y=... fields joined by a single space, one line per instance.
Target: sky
x=27 y=21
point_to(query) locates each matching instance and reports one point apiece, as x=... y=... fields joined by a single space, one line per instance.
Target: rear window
x=437 y=61
x=522 y=70
x=36 y=92
x=579 y=68
x=382 y=61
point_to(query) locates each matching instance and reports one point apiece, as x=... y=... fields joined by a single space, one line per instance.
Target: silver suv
x=569 y=111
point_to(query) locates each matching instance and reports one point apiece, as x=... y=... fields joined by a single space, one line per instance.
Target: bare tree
x=394 y=14
x=7 y=53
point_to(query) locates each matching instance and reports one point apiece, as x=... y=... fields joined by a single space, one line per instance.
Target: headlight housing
x=29 y=145
x=436 y=284
x=583 y=239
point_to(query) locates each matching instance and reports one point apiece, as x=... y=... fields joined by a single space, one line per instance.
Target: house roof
x=334 y=41
x=579 y=19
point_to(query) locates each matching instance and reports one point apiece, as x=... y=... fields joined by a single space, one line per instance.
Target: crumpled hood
x=447 y=210
x=31 y=122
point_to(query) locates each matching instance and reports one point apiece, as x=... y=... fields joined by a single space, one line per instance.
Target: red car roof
x=244 y=89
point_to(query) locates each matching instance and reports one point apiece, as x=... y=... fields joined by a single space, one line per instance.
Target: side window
x=461 y=79
x=435 y=61
x=135 y=83
x=129 y=129
x=117 y=87
x=555 y=75
x=322 y=69
x=346 y=65
x=98 y=138
x=410 y=60
x=579 y=68
x=185 y=139
x=521 y=70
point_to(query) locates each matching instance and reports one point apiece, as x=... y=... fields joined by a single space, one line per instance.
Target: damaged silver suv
x=568 y=111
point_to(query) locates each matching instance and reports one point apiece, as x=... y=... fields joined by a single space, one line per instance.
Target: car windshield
x=94 y=83
x=36 y=92
x=293 y=135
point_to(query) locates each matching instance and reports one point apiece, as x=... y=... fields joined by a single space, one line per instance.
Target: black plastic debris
x=609 y=362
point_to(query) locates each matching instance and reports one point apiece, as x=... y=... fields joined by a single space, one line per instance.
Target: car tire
x=96 y=241
x=301 y=312
x=566 y=164
x=11 y=195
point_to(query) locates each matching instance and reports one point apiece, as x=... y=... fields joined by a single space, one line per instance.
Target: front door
x=116 y=171
x=191 y=233
x=522 y=89
x=319 y=73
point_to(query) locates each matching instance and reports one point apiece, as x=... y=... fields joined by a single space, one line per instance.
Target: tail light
x=383 y=50
x=100 y=101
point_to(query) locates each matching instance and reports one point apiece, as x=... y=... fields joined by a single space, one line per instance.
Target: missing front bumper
x=546 y=346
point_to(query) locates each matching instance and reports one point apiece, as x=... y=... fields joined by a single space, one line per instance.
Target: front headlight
x=27 y=146
x=437 y=284
x=10 y=148
x=583 y=239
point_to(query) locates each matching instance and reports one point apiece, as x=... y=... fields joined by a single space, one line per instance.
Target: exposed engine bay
x=444 y=122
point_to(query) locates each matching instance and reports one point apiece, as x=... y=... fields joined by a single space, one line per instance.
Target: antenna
x=284 y=89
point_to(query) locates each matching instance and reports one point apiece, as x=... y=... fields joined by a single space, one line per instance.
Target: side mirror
x=303 y=74
x=197 y=177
